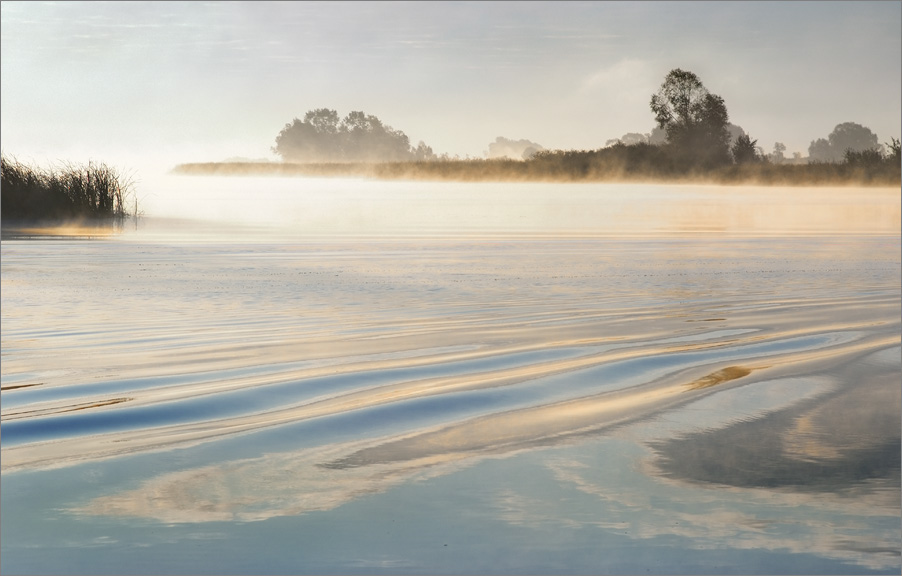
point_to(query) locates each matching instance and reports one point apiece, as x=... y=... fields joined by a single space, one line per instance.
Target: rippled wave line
x=176 y=424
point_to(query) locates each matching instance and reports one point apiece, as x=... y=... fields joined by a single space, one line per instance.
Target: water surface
x=339 y=376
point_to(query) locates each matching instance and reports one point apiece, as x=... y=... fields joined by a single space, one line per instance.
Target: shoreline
x=530 y=171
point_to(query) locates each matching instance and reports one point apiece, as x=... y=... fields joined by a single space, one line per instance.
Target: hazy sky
x=169 y=82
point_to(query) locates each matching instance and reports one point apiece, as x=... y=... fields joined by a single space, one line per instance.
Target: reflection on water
x=708 y=376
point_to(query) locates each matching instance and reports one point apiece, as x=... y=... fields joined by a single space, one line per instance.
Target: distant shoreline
x=584 y=170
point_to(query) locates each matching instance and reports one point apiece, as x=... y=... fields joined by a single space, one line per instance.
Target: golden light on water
x=340 y=342
x=310 y=207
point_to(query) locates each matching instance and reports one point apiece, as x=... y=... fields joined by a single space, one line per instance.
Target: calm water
x=339 y=376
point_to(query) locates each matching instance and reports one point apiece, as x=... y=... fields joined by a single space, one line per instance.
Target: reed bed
x=94 y=192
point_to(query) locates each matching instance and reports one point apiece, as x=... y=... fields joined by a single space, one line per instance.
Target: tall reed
x=73 y=192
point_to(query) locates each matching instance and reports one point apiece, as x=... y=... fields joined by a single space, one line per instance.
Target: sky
x=161 y=83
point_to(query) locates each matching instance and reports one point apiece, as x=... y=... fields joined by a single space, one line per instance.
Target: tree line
x=693 y=136
x=696 y=126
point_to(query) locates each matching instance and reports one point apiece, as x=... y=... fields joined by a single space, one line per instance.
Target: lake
x=288 y=376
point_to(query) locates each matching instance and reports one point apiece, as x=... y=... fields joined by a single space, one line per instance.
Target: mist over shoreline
x=595 y=166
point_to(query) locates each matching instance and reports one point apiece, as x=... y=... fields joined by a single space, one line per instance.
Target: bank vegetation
x=619 y=163
x=94 y=193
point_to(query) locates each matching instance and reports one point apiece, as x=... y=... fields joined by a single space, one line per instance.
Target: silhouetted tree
x=777 y=156
x=514 y=149
x=820 y=151
x=893 y=155
x=366 y=139
x=423 y=152
x=847 y=136
x=745 y=150
x=313 y=139
x=325 y=121
x=359 y=137
x=694 y=119
x=852 y=136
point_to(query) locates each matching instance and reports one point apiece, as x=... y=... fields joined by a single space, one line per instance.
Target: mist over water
x=323 y=207
x=286 y=375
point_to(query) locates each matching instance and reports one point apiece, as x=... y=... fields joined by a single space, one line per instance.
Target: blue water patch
x=612 y=376
x=249 y=400
x=30 y=396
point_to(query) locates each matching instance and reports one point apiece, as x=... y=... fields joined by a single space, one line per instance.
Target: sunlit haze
x=152 y=84
x=421 y=288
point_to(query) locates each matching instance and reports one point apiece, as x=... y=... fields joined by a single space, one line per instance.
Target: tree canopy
x=694 y=120
x=358 y=137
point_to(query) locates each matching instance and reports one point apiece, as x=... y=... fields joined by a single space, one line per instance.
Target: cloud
x=844 y=529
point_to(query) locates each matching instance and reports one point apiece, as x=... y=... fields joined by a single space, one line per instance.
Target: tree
x=423 y=152
x=515 y=149
x=298 y=141
x=744 y=150
x=315 y=139
x=694 y=120
x=851 y=136
x=366 y=139
x=359 y=137
x=777 y=156
x=846 y=137
x=820 y=151
x=325 y=121
x=894 y=153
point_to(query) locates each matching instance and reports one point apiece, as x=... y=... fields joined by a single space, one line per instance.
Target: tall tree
x=694 y=120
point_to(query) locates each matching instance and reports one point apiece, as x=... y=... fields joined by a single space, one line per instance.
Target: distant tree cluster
x=693 y=127
x=358 y=137
x=694 y=138
x=846 y=137
x=513 y=149
x=698 y=135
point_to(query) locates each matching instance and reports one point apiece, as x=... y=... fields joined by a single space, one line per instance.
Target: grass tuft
x=92 y=193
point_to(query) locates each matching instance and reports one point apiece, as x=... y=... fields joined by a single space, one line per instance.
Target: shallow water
x=338 y=376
